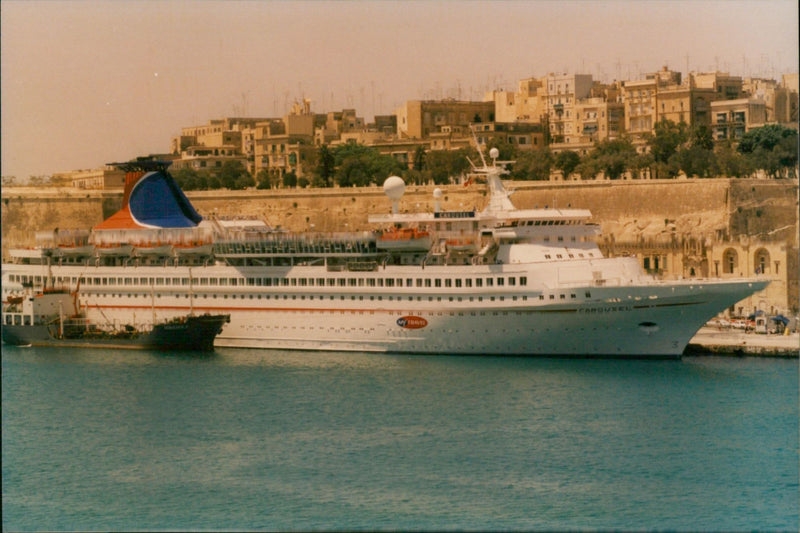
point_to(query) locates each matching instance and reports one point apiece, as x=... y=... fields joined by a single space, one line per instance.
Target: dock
x=714 y=341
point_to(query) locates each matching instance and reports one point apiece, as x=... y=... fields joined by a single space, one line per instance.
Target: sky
x=85 y=83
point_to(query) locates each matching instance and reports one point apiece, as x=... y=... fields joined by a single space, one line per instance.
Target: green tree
x=533 y=165
x=696 y=161
x=567 y=161
x=419 y=159
x=442 y=165
x=290 y=179
x=612 y=157
x=731 y=163
x=263 y=180
x=234 y=175
x=664 y=144
x=772 y=148
x=326 y=167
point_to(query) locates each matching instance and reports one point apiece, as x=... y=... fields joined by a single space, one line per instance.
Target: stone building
x=418 y=119
x=100 y=178
x=730 y=119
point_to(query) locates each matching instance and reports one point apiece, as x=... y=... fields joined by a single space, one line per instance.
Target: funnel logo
x=412 y=322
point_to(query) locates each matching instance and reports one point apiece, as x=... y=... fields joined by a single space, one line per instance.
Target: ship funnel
x=151 y=199
x=394 y=187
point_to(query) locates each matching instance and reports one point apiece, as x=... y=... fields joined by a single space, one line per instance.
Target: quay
x=712 y=341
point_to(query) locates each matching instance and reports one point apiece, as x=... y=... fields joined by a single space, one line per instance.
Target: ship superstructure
x=496 y=281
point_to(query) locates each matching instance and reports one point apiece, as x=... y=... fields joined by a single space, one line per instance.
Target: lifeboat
x=113 y=248
x=153 y=248
x=460 y=245
x=404 y=239
x=74 y=250
x=192 y=248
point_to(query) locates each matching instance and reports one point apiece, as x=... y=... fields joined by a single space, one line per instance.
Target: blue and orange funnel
x=151 y=199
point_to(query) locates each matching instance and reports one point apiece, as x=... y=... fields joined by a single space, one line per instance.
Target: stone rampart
x=630 y=210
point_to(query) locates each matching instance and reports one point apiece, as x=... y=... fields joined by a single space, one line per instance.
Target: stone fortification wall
x=628 y=211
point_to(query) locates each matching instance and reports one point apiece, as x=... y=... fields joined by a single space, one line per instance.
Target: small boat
x=39 y=320
x=192 y=248
x=404 y=239
x=461 y=245
x=120 y=249
x=153 y=248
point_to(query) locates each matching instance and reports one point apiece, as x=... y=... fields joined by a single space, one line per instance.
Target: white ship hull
x=602 y=318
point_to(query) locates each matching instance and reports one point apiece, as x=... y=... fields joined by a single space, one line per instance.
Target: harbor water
x=275 y=440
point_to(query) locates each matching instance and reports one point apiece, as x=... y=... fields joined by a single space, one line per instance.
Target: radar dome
x=437 y=193
x=394 y=187
x=494 y=153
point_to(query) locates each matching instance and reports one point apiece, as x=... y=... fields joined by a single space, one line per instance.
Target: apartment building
x=100 y=178
x=730 y=119
x=418 y=119
x=561 y=94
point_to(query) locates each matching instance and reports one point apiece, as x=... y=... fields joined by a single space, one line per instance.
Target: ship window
x=588 y=294
x=448 y=282
x=541 y=297
x=409 y=282
x=559 y=256
x=479 y=282
x=370 y=282
x=572 y=296
x=501 y=282
x=552 y=296
x=512 y=280
x=458 y=283
x=438 y=282
x=340 y=282
x=489 y=282
x=523 y=280
x=26 y=320
x=419 y=282
x=562 y=296
x=468 y=282
x=360 y=282
x=351 y=282
x=159 y=281
x=321 y=282
x=427 y=282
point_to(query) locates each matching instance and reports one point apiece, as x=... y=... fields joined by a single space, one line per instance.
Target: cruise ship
x=500 y=281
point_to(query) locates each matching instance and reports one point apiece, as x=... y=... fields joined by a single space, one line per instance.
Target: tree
x=359 y=165
x=567 y=161
x=442 y=165
x=533 y=165
x=326 y=167
x=419 y=159
x=772 y=148
x=290 y=179
x=263 y=180
x=664 y=144
x=612 y=157
x=730 y=162
x=234 y=175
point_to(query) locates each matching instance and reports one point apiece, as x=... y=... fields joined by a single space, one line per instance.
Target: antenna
x=478 y=146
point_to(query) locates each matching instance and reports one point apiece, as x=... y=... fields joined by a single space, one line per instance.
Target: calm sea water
x=250 y=439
